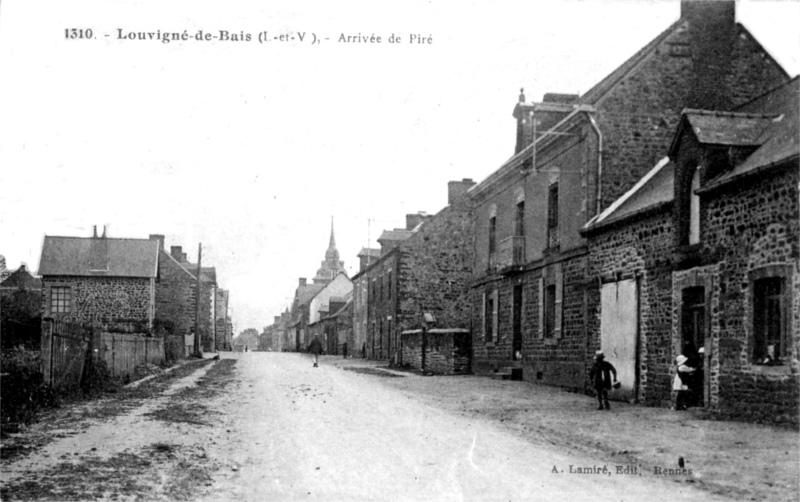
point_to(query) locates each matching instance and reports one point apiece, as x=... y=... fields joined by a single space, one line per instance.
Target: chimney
x=302 y=282
x=98 y=252
x=176 y=252
x=414 y=219
x=712 y=30
x=159 y=238
x=457 y=193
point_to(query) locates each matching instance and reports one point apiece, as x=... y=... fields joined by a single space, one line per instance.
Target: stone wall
x=435 y=271
x=447 y=353
x=119 y=303
x=175 y=303
x=639 y=249
x=751 y=230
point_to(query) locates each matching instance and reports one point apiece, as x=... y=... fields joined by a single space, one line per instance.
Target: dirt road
x=267 y=426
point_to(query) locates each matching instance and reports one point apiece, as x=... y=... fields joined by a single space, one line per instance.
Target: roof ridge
x=723 y=113
x=623 y=69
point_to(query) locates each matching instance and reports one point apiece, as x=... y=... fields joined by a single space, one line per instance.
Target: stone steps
x=507 y=373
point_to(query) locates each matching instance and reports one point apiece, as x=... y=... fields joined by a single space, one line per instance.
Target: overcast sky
x=250 y=148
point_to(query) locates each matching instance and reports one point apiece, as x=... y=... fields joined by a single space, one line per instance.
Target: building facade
x=533 y=296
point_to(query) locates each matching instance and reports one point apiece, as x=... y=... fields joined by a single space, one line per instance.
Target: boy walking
x=601 y=378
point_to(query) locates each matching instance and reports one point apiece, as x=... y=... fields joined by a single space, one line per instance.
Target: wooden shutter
x=495 y=316
x=559 y=303
x=483 y=318
x=541 y=308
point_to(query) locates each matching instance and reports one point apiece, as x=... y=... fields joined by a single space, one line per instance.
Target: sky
x=251 y=148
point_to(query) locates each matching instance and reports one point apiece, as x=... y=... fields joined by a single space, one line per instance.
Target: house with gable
x=21 y=309
x=176 y=290
x=709 y=242
x=423 y=269
x=208 y=288
x=302 y=312
x=533 y=296
x=100 y=279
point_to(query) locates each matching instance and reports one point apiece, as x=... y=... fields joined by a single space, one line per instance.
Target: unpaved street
x=268 y=426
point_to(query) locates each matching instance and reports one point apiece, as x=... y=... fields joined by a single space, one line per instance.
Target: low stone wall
x=447 y=350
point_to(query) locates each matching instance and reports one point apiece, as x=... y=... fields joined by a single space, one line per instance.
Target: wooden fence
x=124 y=352
x=67 y=347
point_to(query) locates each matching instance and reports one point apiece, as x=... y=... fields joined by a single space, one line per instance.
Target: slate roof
x=780 y=141
x=126 y=257
x=728 y=128
x=395 y=235
x=654 y=188
x=305 y=294
x=372 y=252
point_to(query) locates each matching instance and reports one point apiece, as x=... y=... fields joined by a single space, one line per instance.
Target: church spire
x=332 y=244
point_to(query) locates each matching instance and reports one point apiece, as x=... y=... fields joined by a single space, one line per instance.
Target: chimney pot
x=302 y=281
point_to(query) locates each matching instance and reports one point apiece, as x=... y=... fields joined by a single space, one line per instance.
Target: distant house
x=208 y=287
x=20 y=279
x=302 y=313
x=424 y=268
x=108 y=280
x=334 y=323
x=176 y=291
x=21 y=310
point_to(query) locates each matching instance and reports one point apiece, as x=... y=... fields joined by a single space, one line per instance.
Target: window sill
x=551 y=341
x=490 y=344
x=760 y=369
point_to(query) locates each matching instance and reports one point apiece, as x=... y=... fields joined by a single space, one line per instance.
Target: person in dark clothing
x=344 y=350
x=316 y=349
x=601 y=378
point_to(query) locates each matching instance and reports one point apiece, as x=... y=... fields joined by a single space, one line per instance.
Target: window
x=490 y=317
x=552 y=216
x=389 y=281
x=550 y=311
x=693 y=313
x=380 y=287
x=520 y=219
x=768 y=321
x=492 y=235
x=551 y=293
x=60 y=300
x=694 y=209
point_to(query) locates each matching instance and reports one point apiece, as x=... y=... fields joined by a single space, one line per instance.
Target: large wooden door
x=618 y=332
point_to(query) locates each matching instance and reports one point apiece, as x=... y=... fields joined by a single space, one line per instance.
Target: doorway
x=618 y=332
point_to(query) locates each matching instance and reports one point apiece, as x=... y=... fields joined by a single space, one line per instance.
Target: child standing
x=683 y=375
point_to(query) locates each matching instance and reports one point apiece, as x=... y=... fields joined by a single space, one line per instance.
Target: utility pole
x=197 y=352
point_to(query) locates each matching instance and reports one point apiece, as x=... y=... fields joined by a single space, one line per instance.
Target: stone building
x=100 y=279
x=208 y=287
x=358 y=343
x=176 y=290
x=335 y=324
x=705 y=249
x=301 y=312
x=424 y=268
x=532 y=297
x=222 y=337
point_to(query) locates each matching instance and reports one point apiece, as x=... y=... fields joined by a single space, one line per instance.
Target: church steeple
x=332 y=244
x=332 y=266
